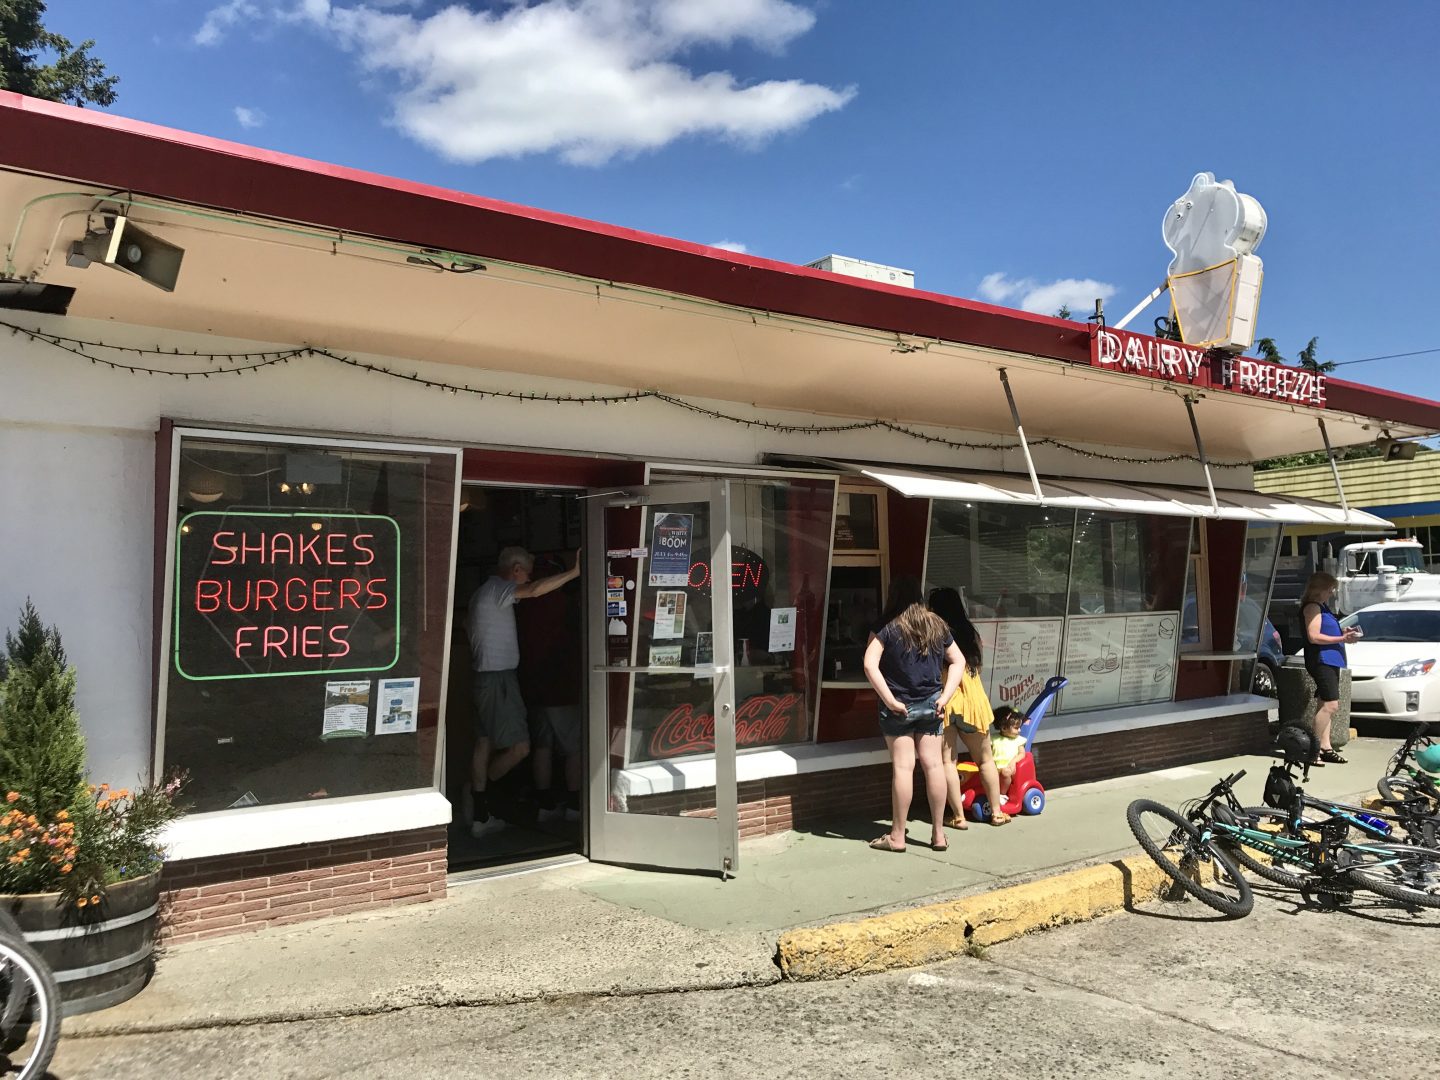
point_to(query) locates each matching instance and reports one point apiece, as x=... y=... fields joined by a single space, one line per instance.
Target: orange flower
x=124 y=793
x=63 y=815
x=94 y=899
x=13 y=796
x=104 y=787
x=103 y=804
x=15 y=834
x=81 y=902
x=23 y=854
x=67 y=868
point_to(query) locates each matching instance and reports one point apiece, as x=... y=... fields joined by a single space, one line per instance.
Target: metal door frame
x=668 y=842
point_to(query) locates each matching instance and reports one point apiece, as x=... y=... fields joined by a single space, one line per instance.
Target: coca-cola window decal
x=780 y=548
x=304 y=572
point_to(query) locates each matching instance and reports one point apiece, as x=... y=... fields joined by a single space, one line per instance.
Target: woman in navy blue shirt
x=914 y=665
x=1325 y=645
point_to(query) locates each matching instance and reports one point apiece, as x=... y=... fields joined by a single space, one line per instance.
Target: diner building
x=267 y=423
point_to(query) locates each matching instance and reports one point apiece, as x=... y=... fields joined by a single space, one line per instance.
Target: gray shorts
x=500 y=709
x=558 y=726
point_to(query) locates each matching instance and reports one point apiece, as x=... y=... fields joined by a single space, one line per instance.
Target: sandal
x=940 y=847
x=1333 y=757
x=1317 y=762
x=999 y=817
x=882 y=843
x=957 y=821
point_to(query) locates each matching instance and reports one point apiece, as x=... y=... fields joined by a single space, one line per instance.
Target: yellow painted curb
x=925 y=935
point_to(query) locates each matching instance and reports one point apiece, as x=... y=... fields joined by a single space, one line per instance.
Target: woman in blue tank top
x=1325 y=645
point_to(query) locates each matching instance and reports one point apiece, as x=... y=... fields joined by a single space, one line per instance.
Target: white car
x=1395 y=666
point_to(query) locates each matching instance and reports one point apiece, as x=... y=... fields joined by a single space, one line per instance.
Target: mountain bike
x=1403 y=780
x=1315 y=856
x=29 y=1004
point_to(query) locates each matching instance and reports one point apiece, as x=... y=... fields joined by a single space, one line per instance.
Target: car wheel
x=1263 y=681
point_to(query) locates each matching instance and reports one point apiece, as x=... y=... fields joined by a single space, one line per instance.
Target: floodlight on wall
x=129 y=248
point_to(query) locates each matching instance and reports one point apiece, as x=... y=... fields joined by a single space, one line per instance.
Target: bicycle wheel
x=1402 y=788
x=1399 y=872
x=1268 y=819
x=26 y=976
x=1179 y=849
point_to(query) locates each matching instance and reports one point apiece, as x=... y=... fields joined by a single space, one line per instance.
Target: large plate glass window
x=309 y=594
x=1011 y=566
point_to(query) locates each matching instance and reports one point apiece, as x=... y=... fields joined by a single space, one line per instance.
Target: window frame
x=859 y=558
x=1197 y=572
x=166 y=519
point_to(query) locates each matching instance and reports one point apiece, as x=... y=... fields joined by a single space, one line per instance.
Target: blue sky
x=1004 y=151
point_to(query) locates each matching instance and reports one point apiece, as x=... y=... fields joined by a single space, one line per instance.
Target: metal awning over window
x=1114 y=496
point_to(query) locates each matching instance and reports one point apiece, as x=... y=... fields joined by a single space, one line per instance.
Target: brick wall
x=234 y=893
x=824 y=798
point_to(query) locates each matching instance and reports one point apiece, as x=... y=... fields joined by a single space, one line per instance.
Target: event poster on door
x=1119 y=659
x=1020 y=656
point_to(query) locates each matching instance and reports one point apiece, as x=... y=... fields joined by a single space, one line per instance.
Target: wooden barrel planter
x=98 y=962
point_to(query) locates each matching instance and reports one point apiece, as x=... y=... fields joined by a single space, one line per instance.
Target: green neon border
x=179 y=539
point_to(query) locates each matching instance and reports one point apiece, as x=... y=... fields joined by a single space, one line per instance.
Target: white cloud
x=220 y=20
x=1046 y=298
x=250 y=118
x=731 y=245
x=589 y=80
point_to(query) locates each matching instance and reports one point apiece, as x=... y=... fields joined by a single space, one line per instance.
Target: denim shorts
x=920 y=719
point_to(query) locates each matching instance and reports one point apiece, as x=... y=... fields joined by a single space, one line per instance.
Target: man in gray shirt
x=502 y=737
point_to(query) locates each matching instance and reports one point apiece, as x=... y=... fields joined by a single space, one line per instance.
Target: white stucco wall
x=77 y=465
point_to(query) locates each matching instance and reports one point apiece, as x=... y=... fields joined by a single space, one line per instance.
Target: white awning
x=1115 y=496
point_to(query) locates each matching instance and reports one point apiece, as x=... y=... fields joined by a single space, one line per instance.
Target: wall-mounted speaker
x=128 y=247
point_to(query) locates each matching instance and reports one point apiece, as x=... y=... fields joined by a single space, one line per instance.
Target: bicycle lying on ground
x=1198 y=848
x=29 y=1004
x=1404 y=780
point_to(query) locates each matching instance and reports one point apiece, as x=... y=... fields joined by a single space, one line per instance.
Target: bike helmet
x=1429 y=759
x=1297 y=745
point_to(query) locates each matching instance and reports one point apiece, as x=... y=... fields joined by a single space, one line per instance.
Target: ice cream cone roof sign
x=1210 y=224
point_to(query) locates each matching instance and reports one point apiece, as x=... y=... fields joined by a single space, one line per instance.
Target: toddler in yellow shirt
x=1007 y=746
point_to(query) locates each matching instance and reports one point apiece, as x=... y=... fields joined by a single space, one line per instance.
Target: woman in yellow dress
x=968 y=716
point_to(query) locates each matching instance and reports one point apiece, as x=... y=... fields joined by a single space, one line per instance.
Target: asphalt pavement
x=1165 y=990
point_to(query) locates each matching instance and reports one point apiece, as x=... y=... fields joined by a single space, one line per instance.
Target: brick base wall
x=234 y=893
x=817 y=799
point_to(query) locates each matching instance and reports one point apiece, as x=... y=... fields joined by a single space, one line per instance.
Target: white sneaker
x=554 y=813
x=571 y=814
x=481 y=829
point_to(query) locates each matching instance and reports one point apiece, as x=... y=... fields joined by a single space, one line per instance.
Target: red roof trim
x=130 y=155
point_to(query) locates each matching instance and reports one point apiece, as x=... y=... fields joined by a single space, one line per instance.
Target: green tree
x=1064 y=312
x=42 y=749
x=1266 y=349
x=72 y=75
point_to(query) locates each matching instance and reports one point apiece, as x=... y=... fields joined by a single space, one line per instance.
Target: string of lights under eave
x=256 y=361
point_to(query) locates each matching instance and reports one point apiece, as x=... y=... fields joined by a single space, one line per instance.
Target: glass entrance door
x=662 y=699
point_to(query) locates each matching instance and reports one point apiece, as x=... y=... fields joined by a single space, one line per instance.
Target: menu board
x=1119 y=659
x=1020 y=655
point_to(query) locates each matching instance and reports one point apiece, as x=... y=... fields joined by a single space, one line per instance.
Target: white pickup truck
x=1376 y=571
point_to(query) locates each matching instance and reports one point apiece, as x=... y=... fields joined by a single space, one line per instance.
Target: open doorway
x=540 y=798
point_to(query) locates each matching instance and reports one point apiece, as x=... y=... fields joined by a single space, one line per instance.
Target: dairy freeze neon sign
x=1174 y=361
x=261 y=595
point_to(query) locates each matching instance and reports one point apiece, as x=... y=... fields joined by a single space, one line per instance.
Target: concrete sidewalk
x=593 y=930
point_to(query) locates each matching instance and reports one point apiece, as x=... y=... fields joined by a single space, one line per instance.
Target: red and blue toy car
x=1025 y=796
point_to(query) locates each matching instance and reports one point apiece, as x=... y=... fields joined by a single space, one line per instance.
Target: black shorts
x=1327 y=681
